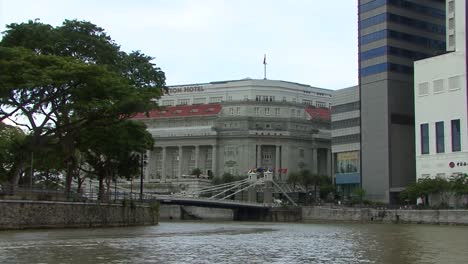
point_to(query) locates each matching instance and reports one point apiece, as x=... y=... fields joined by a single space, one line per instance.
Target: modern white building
x=345 y=124
x=232 y=126
x=441 y=103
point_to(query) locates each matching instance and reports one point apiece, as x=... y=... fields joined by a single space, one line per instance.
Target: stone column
x=285 y=164
x=197 y=154
x=329 y=163
x=163 y=164
x=179 y=171
x=314 y=161
x=277 y=161
x=214 y=160
x=259 y=156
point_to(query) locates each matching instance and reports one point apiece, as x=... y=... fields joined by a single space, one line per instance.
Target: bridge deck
x=195 y=201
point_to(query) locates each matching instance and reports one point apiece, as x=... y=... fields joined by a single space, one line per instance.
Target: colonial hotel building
x=231 y=126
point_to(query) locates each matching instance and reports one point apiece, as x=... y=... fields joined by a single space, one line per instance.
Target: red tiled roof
x=318 y=113
x=181 y=110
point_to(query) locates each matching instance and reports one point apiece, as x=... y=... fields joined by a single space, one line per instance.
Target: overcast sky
x=197 y=41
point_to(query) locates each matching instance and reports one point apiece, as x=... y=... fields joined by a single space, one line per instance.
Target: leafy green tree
x=12 y=162
x=429 y=186
x=460 y=185
x=114 y=150
x=62 y=81
x=294 y=178
x=197 y=172
x=359 y=193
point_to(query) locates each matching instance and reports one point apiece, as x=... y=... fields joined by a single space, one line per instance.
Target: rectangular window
x=439 y=86
x=267 y=111
x=451 y=23
x=440 y=146
x=454 y=82
x=167 y=103
x=199 y=100
x=452 y=6
x=277 y=111
x=424 y=138
x=423 y=89
x=451 y=40
x=456 y=144
x=217 y=99
x=257 y=111
x=231 y=111
x=183 y=101
x=238 y=110
x=321 y=104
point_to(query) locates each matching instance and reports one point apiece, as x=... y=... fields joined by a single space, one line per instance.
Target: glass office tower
x=392 y=35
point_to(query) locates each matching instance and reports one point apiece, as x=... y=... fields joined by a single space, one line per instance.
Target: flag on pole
x=264 y=59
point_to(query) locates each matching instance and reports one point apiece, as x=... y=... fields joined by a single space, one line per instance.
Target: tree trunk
x=15 y=176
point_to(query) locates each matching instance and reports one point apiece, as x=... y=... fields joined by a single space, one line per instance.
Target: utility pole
x=142 y=164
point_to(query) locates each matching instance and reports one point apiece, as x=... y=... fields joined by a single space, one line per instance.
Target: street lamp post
x=142 y=164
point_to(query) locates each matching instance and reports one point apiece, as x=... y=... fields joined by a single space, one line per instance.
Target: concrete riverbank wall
x=179 y=212
x=318 y=213
x=44 y=214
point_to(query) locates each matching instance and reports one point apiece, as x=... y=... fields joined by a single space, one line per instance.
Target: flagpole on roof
x=264 y=67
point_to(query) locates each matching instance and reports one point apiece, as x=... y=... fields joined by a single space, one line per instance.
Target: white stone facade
x=232 y=126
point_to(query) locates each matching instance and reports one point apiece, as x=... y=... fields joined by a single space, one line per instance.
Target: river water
x=237 y=242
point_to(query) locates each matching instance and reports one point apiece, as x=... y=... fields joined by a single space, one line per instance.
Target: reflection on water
x=234 y=242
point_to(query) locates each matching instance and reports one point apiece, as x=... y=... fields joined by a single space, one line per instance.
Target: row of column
x=180 y=154
x=281 y=159
x=280 y=162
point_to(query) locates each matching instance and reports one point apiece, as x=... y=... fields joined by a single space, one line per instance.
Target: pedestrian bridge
x=221 y=196
x=207 y=202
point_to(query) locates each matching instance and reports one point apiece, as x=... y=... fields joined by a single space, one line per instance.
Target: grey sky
x=306 y=41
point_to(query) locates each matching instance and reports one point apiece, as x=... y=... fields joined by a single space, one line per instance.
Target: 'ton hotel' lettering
x=187 y=89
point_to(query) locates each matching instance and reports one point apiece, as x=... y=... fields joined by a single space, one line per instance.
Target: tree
x=429 y=186
x=60 y=82
x=359 y=193
x=460 y=185
x=114 y=150
x=12 y=140
x=197 y=172
x=294 y=179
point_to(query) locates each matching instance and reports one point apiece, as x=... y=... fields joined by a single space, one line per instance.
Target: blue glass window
x=394 y=51
x=374 y=69
x=424 y=138
x=373 y=21
x=371 y=5
x=373 y=37
x=422 y=9
x=383 y=67
x=410 y=22
x=456 y=143
x=440 y=144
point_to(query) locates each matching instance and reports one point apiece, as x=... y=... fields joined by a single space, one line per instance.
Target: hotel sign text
x=186 y=89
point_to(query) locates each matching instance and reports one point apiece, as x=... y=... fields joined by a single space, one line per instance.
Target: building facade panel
x=266 y=124
x=386 y=88
x=441 y=141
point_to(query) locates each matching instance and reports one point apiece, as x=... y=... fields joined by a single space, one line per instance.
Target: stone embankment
x=368 y=215
x=19 y=214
